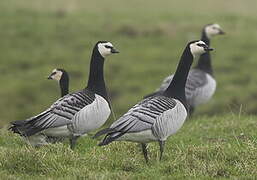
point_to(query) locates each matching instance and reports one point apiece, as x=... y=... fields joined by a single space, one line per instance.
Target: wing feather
x=59 y=114
x=140 y=117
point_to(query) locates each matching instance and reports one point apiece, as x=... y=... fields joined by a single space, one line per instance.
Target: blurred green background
x=38 y=36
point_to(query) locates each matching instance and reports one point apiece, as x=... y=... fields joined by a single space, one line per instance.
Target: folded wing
x=59 y=114
x=140 y=117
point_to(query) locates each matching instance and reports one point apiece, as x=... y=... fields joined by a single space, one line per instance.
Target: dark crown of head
x=59 y=69
x=102 y=42
x=191 y=42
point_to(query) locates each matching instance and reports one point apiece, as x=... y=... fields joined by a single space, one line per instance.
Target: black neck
x=176 y=88
x=96 y=75
x=204 y=62
x=64 y=84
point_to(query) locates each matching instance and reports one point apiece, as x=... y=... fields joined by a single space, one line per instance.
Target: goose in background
x=201 y=84
x=74 y=114
x=62 y=77
x=157 y=117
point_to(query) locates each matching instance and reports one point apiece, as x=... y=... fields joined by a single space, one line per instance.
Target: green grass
x=205 y=148
x=38 y=36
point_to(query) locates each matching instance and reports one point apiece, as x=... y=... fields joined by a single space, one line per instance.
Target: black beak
x=114 y=51
x=50 y=76
x=221 y=32
x=208 y=49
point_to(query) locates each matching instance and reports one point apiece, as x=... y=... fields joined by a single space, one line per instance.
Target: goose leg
x=145 y=151
x=73 y=141
x=191 y=111
x=161 y=144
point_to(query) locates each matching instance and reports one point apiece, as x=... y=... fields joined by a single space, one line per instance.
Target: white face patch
x=212 y=30
x=56 y=75
x=105 y=48
x=197 y=50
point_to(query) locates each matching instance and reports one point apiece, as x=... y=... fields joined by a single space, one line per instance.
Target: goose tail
x=102 y=132
x=24 y=127
x=17 y=126
x=107 y=140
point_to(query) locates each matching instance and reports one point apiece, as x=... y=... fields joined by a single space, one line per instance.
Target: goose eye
x=108 y=47
x=54 y=73
x=201 y=45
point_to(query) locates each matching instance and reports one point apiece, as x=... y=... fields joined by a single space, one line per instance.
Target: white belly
x=91 y=117
x=170 y=121
x=61 y=131
x=140 y=137
x=205 y=93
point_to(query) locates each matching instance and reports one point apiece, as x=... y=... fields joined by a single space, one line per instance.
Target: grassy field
x=37 y=36
x=206 y=148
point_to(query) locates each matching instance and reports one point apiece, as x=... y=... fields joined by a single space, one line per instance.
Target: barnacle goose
x=156 y=118
x=62 y=77
x=200 y=85
x=74 y=114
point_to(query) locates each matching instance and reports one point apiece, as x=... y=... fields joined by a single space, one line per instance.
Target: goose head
x=212 y=30
x=57 y=74
x=105 y=48
x=198 y=47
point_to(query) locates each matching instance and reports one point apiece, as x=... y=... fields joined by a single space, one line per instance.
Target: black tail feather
x=107 y=140
x=111 y=136
x=14 y=129
x=26 y=127
x=17 y=126
x=19 y=123
x=34 y=125
x=102 y=132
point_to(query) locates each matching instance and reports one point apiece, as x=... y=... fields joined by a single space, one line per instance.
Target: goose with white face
x=213 y=30
x=106 y=48
x=56 y=75
x=199 y=47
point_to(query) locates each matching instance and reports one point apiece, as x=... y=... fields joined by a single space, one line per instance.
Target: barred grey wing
x=196 y=79
x=142 y=116
x=60 y=113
